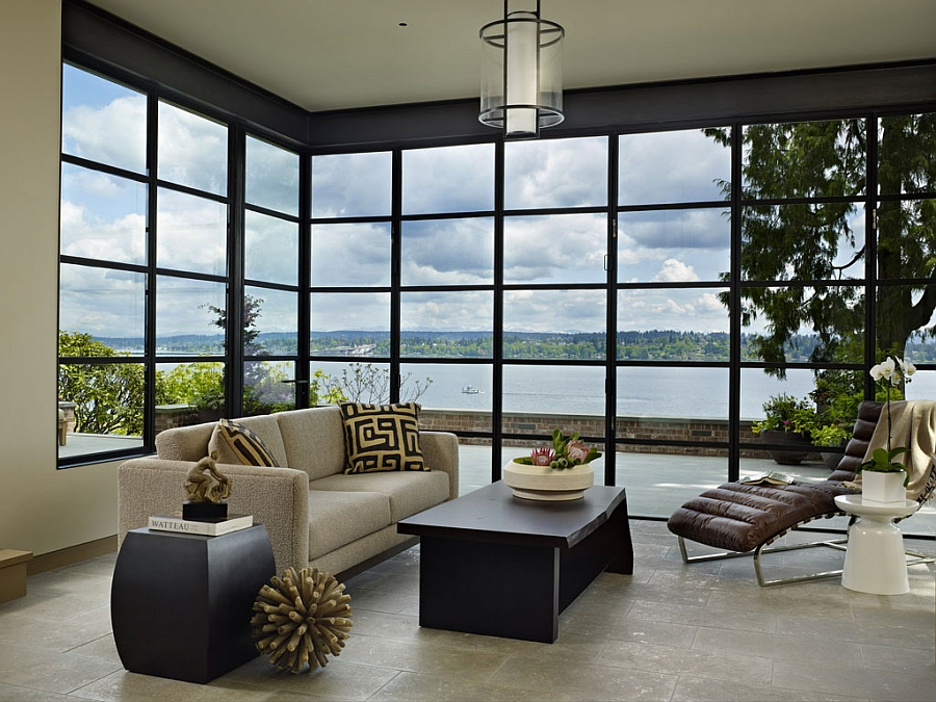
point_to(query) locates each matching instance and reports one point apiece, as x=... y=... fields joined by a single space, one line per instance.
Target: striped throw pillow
x=382 y=437
x=237 y=444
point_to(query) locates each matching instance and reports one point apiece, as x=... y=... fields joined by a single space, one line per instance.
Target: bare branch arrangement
x=301 y=618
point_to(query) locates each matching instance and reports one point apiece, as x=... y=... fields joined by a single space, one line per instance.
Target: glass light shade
x=521 y=73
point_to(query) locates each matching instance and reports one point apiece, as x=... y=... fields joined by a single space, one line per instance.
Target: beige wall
x=41 y=509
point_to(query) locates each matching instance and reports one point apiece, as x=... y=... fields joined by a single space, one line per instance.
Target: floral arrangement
x=892 y=372
x=566 y=452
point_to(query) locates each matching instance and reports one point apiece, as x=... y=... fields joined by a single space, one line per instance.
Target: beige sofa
x=314 y=513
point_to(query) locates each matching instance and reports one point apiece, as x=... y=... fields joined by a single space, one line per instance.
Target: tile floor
x=668 y=632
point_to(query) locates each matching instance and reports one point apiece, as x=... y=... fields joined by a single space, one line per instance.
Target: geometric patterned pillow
x=381 y=437
x=236 y=443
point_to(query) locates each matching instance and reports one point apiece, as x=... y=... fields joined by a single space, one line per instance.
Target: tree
x=108 y=397
x=804 y=242
x=369 y=383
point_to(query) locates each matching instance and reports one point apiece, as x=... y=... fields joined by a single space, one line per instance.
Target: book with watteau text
x=212 y=527
x=771 y=477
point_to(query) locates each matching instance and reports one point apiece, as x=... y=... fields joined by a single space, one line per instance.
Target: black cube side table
x=181 y=603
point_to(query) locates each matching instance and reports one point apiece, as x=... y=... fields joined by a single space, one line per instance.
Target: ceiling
x=334 y=54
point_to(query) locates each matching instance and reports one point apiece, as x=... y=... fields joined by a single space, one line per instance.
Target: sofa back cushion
x=314 y=440
x=191 y=443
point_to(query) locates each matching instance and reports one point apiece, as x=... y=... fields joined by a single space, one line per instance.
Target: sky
x=103 y=218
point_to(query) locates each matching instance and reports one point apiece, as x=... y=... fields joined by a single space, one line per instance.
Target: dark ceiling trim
x=88 y=31
x=648 y=107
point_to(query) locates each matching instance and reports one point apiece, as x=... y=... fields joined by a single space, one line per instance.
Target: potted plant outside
x=787 y=421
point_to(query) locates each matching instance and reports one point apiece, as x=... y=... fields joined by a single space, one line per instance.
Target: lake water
x=652 y=391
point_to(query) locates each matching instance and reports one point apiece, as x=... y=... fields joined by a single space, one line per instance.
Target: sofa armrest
x=278 y=498
x=440 y=451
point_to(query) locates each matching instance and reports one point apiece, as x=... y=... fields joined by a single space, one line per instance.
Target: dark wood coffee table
x=499 y=565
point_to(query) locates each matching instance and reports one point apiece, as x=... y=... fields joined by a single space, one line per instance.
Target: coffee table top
x=494 y=514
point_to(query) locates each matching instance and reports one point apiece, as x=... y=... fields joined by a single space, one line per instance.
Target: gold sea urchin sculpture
x=301 y=618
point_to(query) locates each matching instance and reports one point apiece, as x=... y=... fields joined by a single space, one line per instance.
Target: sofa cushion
x=237 y=444
x=314 y=440
x=382 y=437
x=338 y=518
x=409 y=492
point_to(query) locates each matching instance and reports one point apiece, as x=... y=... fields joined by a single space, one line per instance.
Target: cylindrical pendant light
x=521 y=78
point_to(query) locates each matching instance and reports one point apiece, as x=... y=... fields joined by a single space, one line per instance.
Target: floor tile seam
x=825 y=637
x=118 y=669
x=377 y=691
x=86 y=643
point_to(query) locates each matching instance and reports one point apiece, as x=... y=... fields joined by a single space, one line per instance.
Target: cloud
x=555 y=248
x=114 y=134
x=667 y=167
x=351 y=185
x=193 y=150
x=448 y=179
x=675 y=271
x=448 y=252
x=556 y=173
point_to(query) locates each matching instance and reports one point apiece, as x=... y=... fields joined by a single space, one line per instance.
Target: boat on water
x=470 y=390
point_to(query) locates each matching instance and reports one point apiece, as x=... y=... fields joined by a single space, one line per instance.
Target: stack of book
x=207 y=527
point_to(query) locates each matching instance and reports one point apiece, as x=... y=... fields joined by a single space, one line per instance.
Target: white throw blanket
x=913 y=424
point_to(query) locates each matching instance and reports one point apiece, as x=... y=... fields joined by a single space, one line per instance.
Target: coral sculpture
x=301 y=618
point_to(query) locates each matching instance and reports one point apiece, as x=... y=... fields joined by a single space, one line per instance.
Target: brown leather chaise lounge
x=745 y=519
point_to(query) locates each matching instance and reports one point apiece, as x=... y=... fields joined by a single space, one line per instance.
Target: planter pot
x=800 y=446
x=883 y=488
x=544 y=483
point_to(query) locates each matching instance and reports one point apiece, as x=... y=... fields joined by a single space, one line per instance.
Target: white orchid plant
x=566 y=452
x=890 y=373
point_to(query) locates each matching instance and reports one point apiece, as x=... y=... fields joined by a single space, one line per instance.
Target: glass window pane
x=554 y=324
x=272 y=177
x=446 y=344
x=541 y=394
x=345 y=324
x=191 y=316
x=351 y=185
x=193 y=150
x=555 y=249
x=268 y=387
x=666 y=167
x=803 y=242
x=897 y=305
x=102 y=217
x=102 y=120
x=458 y=398
x=448 y=252
x=673 y=246
x=673 y=324
x=108 y=401
x=469 y=312
x=556 y=173
x=351 y=255
x=804 y=159
x=270 y=322
x=271 y=249
x=108 y=304
x=658 y=482
x=803 y=324
x=448 y=179
x=906 y=245
x=191 y=233
x=650 y=398
x=906 y=153
x=199 y=385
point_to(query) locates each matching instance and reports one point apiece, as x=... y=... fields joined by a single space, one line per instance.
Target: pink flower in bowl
x=576 y=451
x=542 y=456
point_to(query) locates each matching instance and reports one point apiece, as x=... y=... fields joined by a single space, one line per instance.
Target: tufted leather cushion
x=740 y=517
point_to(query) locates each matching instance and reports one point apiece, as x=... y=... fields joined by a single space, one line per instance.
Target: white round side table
x=875 y=560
